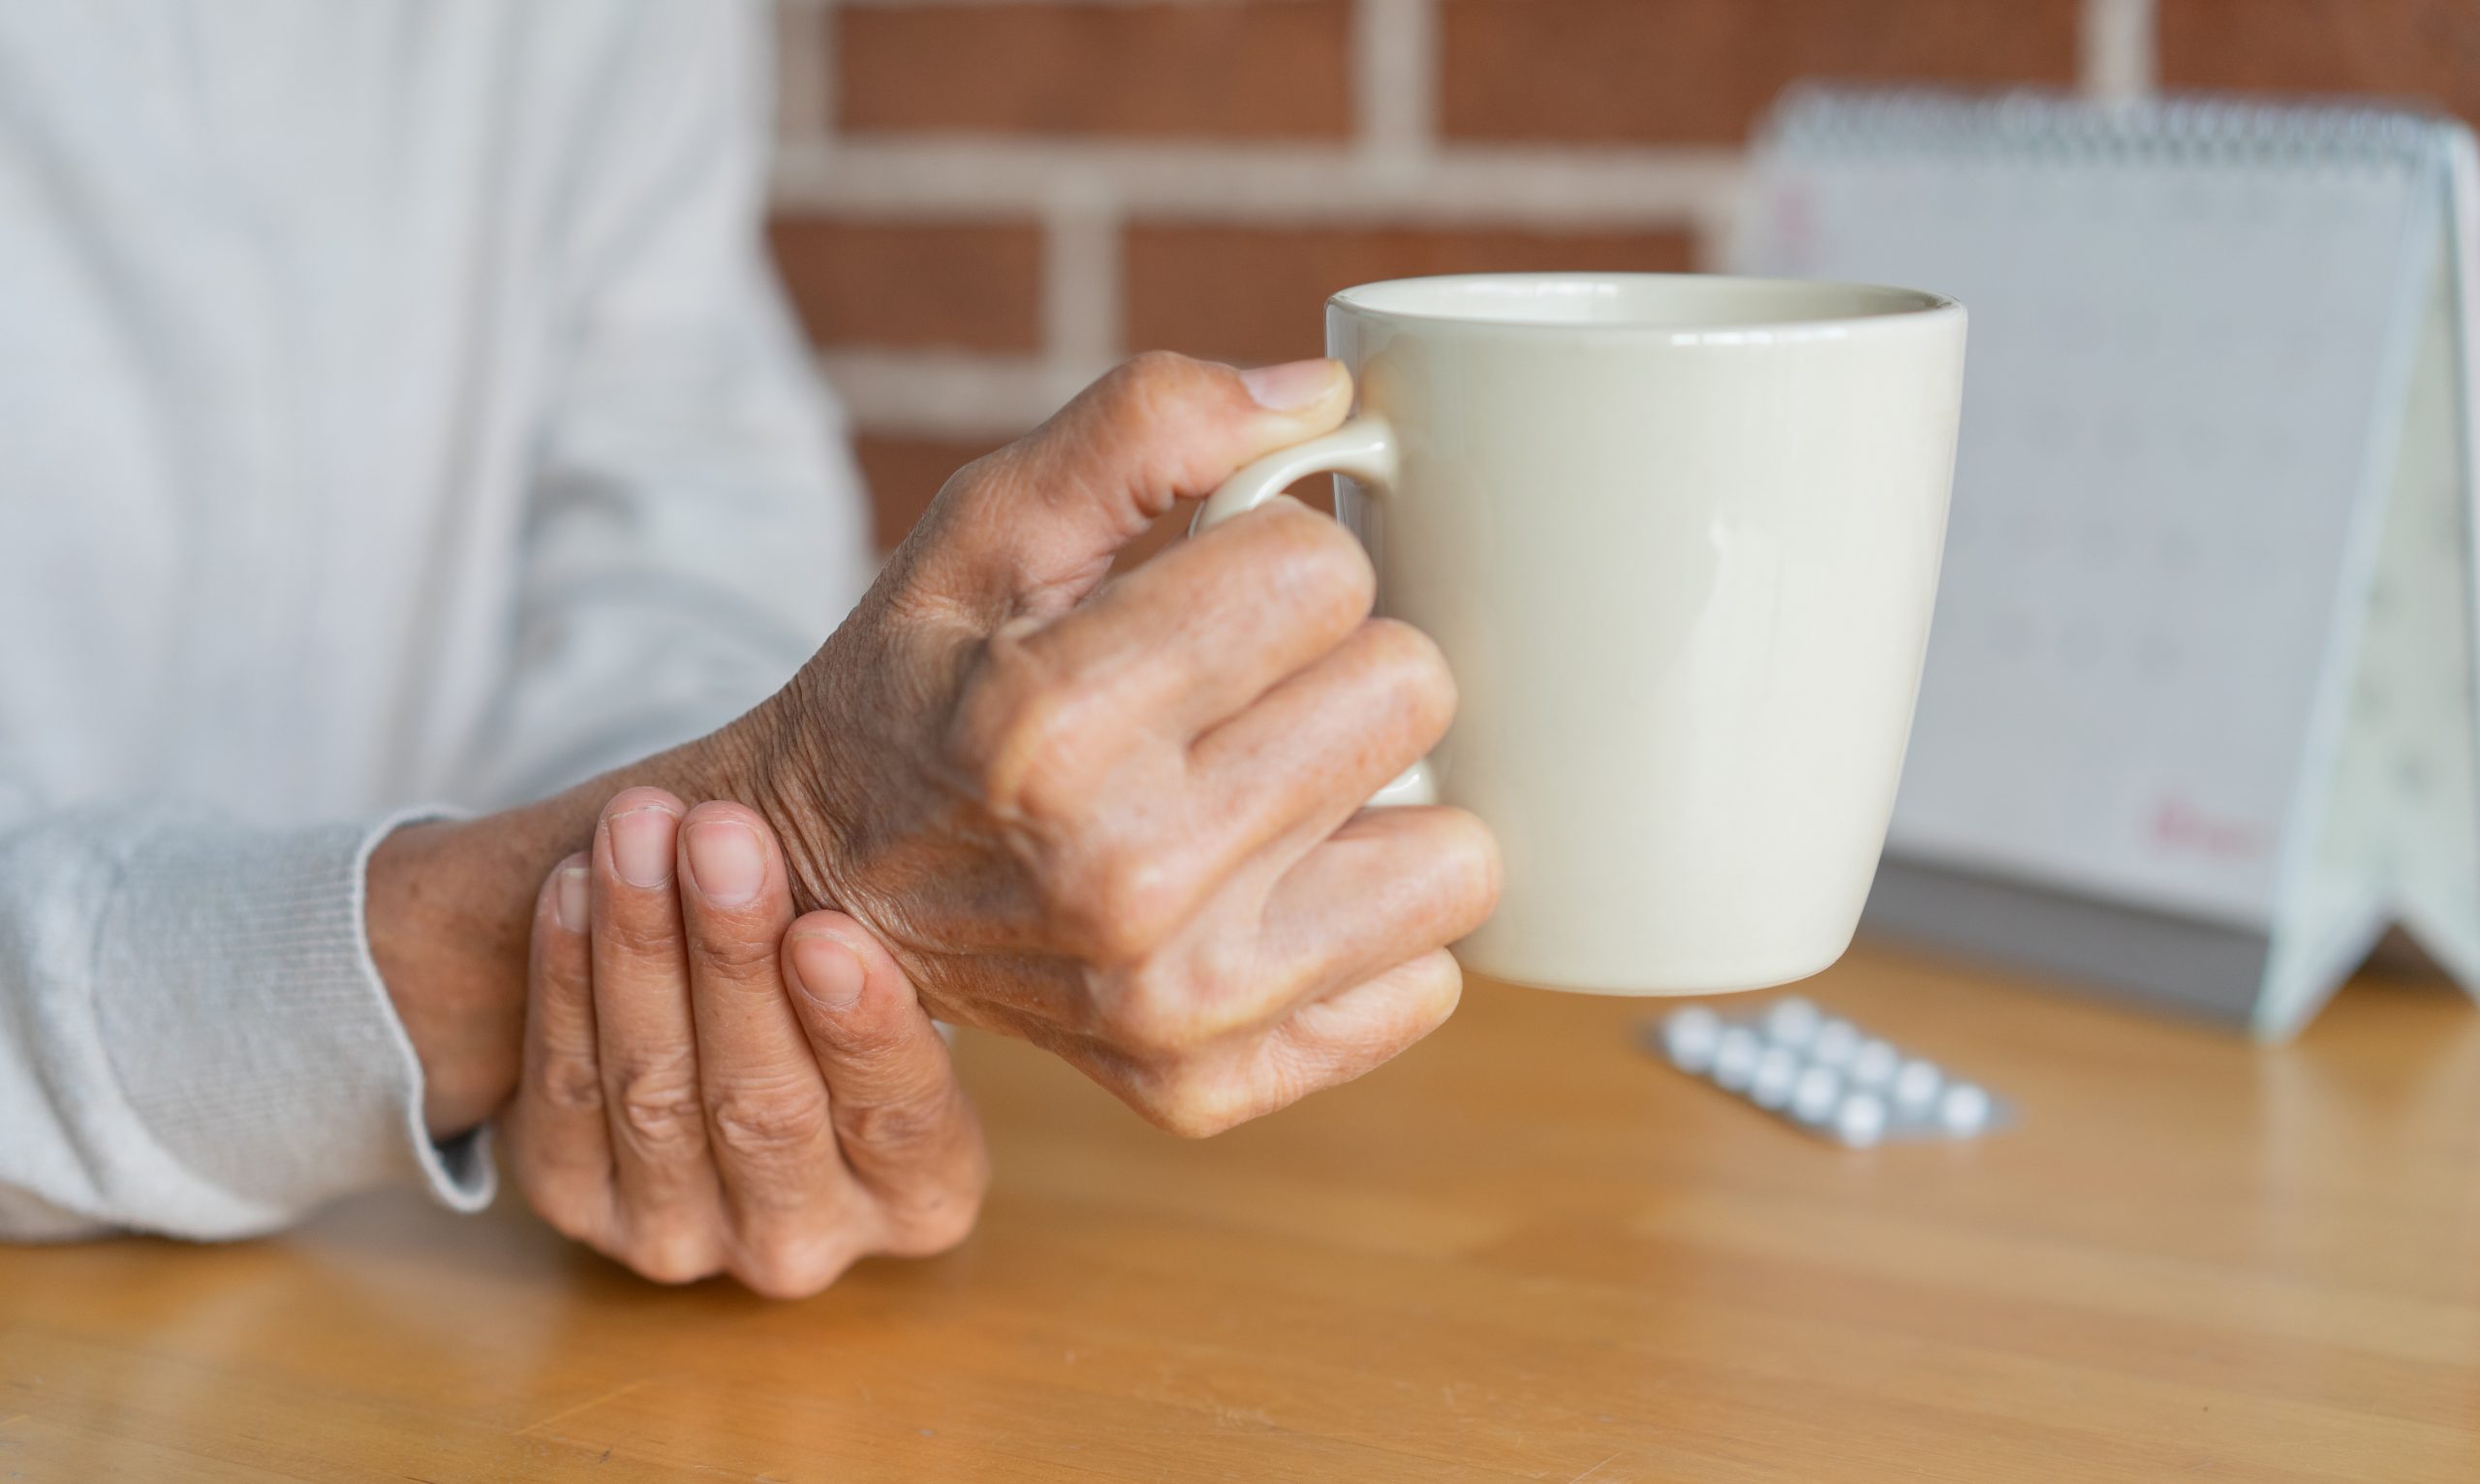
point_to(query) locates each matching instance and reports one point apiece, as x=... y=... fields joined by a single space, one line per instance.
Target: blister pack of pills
x=1826 y=1074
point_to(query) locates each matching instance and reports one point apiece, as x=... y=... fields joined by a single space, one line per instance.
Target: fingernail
x=641 y=844
x=1292 y=386
x=827 y=972
x=569 y=899
x=726 y=862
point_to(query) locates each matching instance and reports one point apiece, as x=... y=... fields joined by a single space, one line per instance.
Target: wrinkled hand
x=1123 y=819
x=712 y=1087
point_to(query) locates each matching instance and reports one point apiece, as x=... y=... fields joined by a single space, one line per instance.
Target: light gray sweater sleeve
x=193 y=1039
x=695 y=528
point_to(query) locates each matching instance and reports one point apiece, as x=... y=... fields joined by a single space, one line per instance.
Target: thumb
x=901 y=1118
x=1034 y=526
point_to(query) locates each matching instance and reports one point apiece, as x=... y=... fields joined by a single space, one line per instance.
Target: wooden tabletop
x=1525 y=1250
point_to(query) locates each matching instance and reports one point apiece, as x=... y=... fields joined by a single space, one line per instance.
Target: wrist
x=452 y=974
x=764 y=760
x=450 y=908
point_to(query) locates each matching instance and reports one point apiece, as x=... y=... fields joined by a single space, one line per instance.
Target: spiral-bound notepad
x=2198 y=717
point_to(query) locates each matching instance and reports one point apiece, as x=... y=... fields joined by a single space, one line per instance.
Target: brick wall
x=983 y=204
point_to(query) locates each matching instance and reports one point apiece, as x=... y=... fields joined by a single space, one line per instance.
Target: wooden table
x=1525 y=1250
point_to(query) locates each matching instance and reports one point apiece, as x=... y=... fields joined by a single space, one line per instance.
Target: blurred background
x=981 y=203
x=2125 y=770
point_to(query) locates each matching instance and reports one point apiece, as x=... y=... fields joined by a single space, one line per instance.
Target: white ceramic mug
x=1678 y=537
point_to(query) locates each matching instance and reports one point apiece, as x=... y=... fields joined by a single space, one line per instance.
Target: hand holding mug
x=1123 y=818
x=1679 y=536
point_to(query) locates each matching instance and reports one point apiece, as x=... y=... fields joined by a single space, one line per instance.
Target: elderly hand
x=711 y=1085
x=1123 y=818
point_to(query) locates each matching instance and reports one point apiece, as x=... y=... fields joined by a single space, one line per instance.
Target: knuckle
x=1434 y=982
x=563 y=1211
x=659 y=1111
x=647 y=930
x=737 y=957
x=1197 y=1105
x=1420 y=995
x=1121 y=904
x=1122 y=418
x=936 y=1222
x=1166 y=1010
x=671 y=1257
x=867 y=1039
x=974 y=474
x=1025 y=731
x=1447 y=984
x=1478 y=871
x=1315 y=565
x=1146 y=378
x=1147 y=1021
x=1220 y=972
x=899 y=1127
x=794 y=1268
x=757 y=1124
x=570 y=1085
x=1412 y=670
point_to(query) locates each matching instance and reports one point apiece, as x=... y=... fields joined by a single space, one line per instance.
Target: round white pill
x=1770 y=1086
x=1860 y=1120
x=1815 y=1096
x=1792 y=1021
x=1689 y=1035
x=1735 y=1057
x=1834 y=1042
x=1916 y=1084
x=1963 y=1109
x=1872 y=1063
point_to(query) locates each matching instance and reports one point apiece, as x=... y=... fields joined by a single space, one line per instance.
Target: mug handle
x=1363 y=448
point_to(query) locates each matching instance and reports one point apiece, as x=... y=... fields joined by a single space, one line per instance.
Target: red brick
x=1702 y=70
x=2423 y=49
x=1254 y=294
x=905 y=474
x=1268 y=69
x=973 y=286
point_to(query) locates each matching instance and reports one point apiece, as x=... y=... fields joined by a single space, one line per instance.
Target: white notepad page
x=2185 y=326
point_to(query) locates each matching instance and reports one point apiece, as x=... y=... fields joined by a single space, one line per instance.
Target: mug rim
x=1905 y=307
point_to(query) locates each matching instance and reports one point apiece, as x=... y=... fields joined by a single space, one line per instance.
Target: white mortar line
x=951 y=395
x=1394 y=77
x=982 y=177
x=923 y=5
x=2117 y=46
x=1718 y=232
x=1082 y=280
x=804 y=82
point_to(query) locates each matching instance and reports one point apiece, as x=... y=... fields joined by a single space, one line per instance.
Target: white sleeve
x=697 y=527
x=193 y=1040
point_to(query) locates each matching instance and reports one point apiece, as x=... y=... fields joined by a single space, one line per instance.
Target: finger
x=1035 y=527
x=557 y=1141
x=1313 y=750
x=1386 y=887
x=647 y=1041
x=906 y=1127
x=765 y=1101
x=1214 y=623
x=1322 y=1043
x=1329 y=1041
x=1391 y=886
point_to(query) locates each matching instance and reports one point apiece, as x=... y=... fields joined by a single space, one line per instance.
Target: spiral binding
x=2225 y=129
